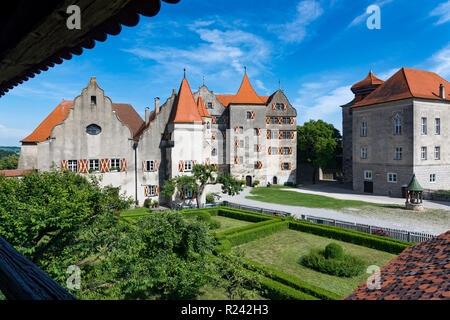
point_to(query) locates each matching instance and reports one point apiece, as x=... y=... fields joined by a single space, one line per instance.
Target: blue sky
x=317 y=49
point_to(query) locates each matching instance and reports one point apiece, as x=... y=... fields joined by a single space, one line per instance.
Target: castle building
x=395 y=129
x=251 y=137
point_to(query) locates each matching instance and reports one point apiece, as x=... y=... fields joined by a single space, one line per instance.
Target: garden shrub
x=213 y=224
x=244 y=228
x=291 y=281
x=147 y=202
x=210 y=198
x=223 y=247
x=351 y=236
x=277 y=291
x=257 y=233
x=334 y=251
x=349 y=266
x=244 y=215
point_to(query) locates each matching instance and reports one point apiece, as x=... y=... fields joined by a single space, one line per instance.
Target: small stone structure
x=414 y=195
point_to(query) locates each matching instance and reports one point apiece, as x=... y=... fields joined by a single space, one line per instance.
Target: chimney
x=147 y=116
x=442 y=91
x=156 y=105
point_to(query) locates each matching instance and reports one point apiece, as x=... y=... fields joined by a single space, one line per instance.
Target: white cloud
x=443 y=12
x=385 y=75
x=441 y=62
x=260 y=85
x=295 y=31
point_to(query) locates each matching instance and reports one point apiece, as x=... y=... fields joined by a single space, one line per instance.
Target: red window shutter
x=259 y=164
x=274 y=106
x=292 y=134
x=280 y=150
x=269 y=150
x=63 y=164
x=213 y=136
x=156 y=165
x=252 y=115
x=146 y=191
x=258 y=148
x=236 y=159
x=267 y=120
x=108 y=164
x=282 y=167
x=280 y=120
x=284 y=106
x=216 y=166
x=156 y=190
x=180 y=166
x=290 y=150
x=280 y=135
x=268 y=134
x=236 y=129
x=123 y=165
x=213 y=120
x=292 y=120
x=236 y=143
x=258 y=131
x=102 y=165
x=144 y=166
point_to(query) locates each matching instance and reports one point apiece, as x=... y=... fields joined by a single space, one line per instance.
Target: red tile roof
x=407 y=83
x=370 y=80
x=185 y=109
x=201 y=108
x=15 y=173
x=125 y=112
x=420 y=272
x=245 y=94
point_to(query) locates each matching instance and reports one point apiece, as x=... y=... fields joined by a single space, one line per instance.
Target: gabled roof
x=420 y=272
x=125 y=112
x=185 y=109
x=407 y=83
x=246 y=94
x=201 y=108
x=370 y=80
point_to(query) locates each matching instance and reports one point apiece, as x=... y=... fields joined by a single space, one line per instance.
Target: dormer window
x=209 y=105
x=93 y=100
x=93 y=129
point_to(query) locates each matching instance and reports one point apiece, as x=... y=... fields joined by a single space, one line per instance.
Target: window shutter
x=292 y=134
x=258 y=131
x=280 y=135
x=252 y=115
x=102 y=165
x=269 y=150
x=236 y=129
x=108 y=164
x=213 y=136
x=123 y=164
x=146 y=191
x=290 y=166
x=284 y=106
x=208 y=161
x=212 y=105
x=290 y=150
x=182 y=193
x=156 y=190
x=280 y=150
x=267 y=120
x=236 y=143
x=292 y=120
x=259 y=164
x=274 y=106
x=258 y=148
x=280 y=120
x=268 y=134
x=236 y=159
x=63 y=164
x=195 y=162
x=85 y=166
x=180 y=166
x=144 y=166
x=156 y=165
x=216 y=165
x=282 y=167
x=213 y=120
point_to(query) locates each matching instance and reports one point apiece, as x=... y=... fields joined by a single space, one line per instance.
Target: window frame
x=366 y=178
x=71 y=165
x=398 y=153
x=437 y=153
x=390 y=176
x=398 y=123
x=96 y=167
x=423 y=123
x=363 y=130
x=423 y=155
x=188 y=165
x=437 y=126
x=433 y=175
x=364 y=153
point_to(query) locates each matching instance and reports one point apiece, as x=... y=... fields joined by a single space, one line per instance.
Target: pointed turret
x=246 y=94
x=201 y=108
x=185 y=109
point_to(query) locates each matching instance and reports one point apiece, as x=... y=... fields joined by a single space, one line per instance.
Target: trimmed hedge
x=257 y=233
x=277 y=291
x=244 y=215
x=349 y=266
x=334 y=251
x=244 y=228
x=351 y=236
x=224 y=246
x=291 y=281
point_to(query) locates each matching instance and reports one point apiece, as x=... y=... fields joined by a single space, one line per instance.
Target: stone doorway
x=368 y=186
x=275 y=180
x=248 y=180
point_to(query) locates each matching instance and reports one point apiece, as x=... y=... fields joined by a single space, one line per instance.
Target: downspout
x=135 y=145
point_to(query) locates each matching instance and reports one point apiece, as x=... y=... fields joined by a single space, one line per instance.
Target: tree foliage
x=230 y=185
x=9 y=162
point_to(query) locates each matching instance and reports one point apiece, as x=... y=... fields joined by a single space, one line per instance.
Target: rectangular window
x=241 y=159
x=214 y=152
x=151 y=191
x=209 y=105
x=398 y=154
x=280 y=106
x=188 y=164
x=241 y=143
x=72 y=165
x=363 y=153
x=150 y=165
x=397 y=126
x=255 y=165
x=392 y=177
x=285 y=150
x=94 y=164
x=286 y=120
x=273 y=120
x=368 y=175
x=364 y=129
x=241 y=130
x=114 y=163
x=255 y=131
x=423 y=153
x=188 y=194
x=437 y=153
x=255 y=148
x=424 y=125
x=286 y=135
x=432 y=177
x=273 y=151
x=249 y=115
x=438 y=126
x=285 y=165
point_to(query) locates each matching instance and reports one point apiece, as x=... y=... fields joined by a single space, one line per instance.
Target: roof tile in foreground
x=420 y=272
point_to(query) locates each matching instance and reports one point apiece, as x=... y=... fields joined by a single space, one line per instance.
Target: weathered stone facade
x=94 y=136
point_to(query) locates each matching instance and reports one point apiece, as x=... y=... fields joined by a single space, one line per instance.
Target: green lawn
x=229 y=223
x=276 y=195
x=283 y=251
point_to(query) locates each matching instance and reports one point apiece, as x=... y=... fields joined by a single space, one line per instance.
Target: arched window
x=93 y=129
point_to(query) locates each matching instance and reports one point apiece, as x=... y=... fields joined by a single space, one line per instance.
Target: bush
x=349 y=266
x=351 y=236
x=291 y=281
x=244 y=228
x=256 y=233
x=210 y=198
x=242 y=182
x=224 y=246
x=244 y=215
x=256 y=183
x=155 y=204
x=147 y=202
x=334 y=251
x=214 y=225
x=277 y=291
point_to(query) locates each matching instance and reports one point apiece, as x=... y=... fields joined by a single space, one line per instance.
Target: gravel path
x=388 y=220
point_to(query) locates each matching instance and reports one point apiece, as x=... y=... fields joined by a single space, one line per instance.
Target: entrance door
x=248 y=180
x=275 y=180
x=368 y=186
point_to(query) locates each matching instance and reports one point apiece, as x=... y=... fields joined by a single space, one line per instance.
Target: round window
x=93 y=129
